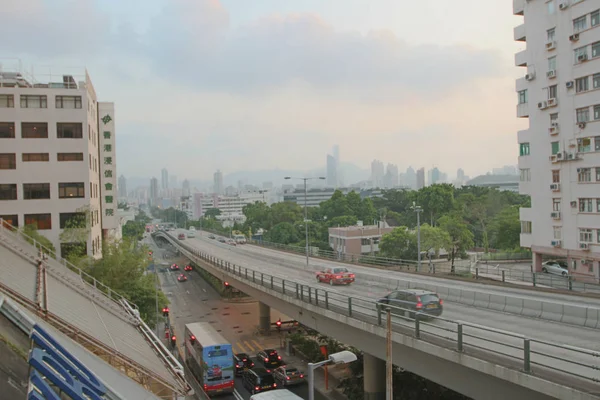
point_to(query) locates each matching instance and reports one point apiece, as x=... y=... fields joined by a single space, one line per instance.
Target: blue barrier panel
x=40 y=389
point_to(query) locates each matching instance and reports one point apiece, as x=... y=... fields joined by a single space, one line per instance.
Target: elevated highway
x=469 y=350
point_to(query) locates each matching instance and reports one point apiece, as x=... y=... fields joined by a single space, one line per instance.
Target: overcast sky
x=259 y=84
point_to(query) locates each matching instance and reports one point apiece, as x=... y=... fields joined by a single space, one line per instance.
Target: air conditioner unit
x=584 y=246
x=555 y=187
x=582 y=57
x=578 y=170
x=552 y=102
x=584 y=261
x=553 y=130
x=573 y=204
x=555 y=215
x=550 y=45
x=555 y=124
x=570 y=84
x=530 y=76
x=563 y=6
x=542 y=105
x=559 y=156
x=555 y=243
x=581 y=125
x=551 y=74
x=570 y=156
x=553 y=158
x=574 y=37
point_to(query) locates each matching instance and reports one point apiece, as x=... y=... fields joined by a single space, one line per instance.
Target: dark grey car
x=411 y=301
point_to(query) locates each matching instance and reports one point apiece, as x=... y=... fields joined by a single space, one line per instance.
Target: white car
x=555 y=268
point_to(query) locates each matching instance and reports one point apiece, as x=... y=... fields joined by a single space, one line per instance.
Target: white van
x=279 y=394
x=192 y=228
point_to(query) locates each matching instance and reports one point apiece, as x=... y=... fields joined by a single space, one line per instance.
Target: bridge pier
x=264 y=317
x=374 y=377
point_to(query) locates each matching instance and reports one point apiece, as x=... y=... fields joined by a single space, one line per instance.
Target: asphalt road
x=195 y=300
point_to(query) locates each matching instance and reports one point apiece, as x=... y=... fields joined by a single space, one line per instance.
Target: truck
x=238 y=237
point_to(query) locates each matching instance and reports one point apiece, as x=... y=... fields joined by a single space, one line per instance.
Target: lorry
x=238 y=237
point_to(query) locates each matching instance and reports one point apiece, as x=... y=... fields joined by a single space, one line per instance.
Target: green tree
x=286 y=211
x=336 y=206
x=142 y=217
x=75 y=234
x=506 y=229
x=461 y=238
x=399 y=243
x=212 y=213
x=284 y=233
x=436 y=200
x=367 y=211
x=34 y=237
x=258 y=216
x=134 y=230
x=122 y=205
x=434 y=238
x=344 y=220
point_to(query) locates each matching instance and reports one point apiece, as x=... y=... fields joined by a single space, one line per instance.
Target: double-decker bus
x=209 y=358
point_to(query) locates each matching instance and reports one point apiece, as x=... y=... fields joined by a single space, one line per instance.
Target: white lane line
x=237 y=395
x=187 y=291
x=204 y=290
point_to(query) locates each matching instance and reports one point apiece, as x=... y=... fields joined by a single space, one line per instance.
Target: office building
x=164 y=180
x=331 y=171
x=58 y=158
x=420 y=178
x=391 y=178
x=377 y=173
x=153 y=196
x=185 y=187
x=559 y=154
x=218 y=182
x=122 y=188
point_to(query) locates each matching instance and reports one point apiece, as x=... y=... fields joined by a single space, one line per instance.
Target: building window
x=551 y=34
x=580 y=52
x=33 y=101
x=8 y=191
x=7 y=130
x=597 y=112
x=34 y=130
x=70 y=102
x=584 y=145
x=69 y=130
x=596 y=49
x=597 y=142
x=72 y=220
x=553 y=92
x=526 y=227
x=555 y=176
x=555 y=147
x=7 y=101
x=579 y=24
x=69 y=156
x=557 y=232
x=583 y=114
x=41 y=221
x=597 y=174
x=36 y=191
x=585 y=235
x=12 y=219
x=586 y=205
x=555 y=204
x=522 y=96
x=525 y=175
x=552 y=63
x=584 y=175
x=595 y=17
x=28 y=157
x=8 y=161
x=524 y=149
x=553 y=117
x=582 y=84
x=71 y=190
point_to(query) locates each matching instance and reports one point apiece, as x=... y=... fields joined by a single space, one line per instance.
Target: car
x=191 y=234
x=192 y=229
x=269 y=358
x=336 y=276
x=211 y=236
x=182 y=278
x=187 y=268
x=174 y=267
x=181 y=236
x=231 y=242
x=258 y=380
x=555 y=268
x=243 y=362
x=222 y=240
x=408 y=302
x=288 y=376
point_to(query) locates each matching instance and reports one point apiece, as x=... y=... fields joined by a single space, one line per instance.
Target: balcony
x=521 y=58
x=518 y=7
x=523 y=110
x=519 y=33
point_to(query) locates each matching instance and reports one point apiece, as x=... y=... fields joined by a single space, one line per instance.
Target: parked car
x=187 y=268
x=555 y=268
x=258 y=380
x=336 y=276
x=288 y=376
x=269 y=358
x=181 y=236
x=182 y=278
x=174 y=267
x=410 y=301
x=243 y=362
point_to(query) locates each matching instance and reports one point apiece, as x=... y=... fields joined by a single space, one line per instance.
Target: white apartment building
x=57 y=156
x=559 y=158
x=230 y=206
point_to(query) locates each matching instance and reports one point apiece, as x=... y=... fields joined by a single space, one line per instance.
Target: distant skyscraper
x=331 y=171
x=410 y=178
x=185 y=186
x=164 y=179
x=377 y=173
x=391 y=176
x=434 y=176
x=420 y=178
x=173 y=181
x=154 y=192
x=336 y=154
x=460 y=175
x=218 y=182
x=122 y=187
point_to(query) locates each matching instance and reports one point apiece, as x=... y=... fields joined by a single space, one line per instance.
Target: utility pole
x=389 y=385
x=418 y=210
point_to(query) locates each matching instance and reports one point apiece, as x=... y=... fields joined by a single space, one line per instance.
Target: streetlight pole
x=389 y=377
x=343 y=357
x=418 y=210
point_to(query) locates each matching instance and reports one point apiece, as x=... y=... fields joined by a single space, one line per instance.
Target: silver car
x=555 y=268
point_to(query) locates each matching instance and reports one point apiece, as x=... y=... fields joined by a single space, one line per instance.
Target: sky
x=236 y=85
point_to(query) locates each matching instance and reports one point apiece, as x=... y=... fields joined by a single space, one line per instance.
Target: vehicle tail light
x=301 y=375
x=419 y=305
x=287 y=377
x=279 y=357
x=266 y=359
x=274 y=385
x=205 y=387
x=441 y=302
x=256 y=388
x=237 y=366
x=338 y=277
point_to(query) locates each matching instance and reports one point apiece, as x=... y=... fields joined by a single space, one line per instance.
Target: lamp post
x=343 y=357
x=418 y=210
x=306 y=210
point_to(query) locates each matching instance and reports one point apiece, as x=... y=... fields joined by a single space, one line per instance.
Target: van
x=281 y=394
x=192 y=228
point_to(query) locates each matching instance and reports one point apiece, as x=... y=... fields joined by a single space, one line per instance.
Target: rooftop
x=13 y=74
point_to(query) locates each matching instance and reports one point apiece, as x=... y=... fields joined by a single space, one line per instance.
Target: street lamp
x=306 y=209
x=418 y=210
x=343 y=357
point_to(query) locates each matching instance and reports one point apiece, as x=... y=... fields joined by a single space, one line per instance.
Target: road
x=195 y=300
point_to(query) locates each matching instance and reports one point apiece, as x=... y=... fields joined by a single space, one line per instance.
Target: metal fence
x=504 y=256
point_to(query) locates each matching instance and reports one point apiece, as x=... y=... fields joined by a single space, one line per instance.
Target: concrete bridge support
x=374 y=376
x=264 y=317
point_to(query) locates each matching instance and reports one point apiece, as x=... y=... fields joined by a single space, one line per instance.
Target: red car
x=174 y=267
x=182 y=278
x=187 y=268
x=336 y=276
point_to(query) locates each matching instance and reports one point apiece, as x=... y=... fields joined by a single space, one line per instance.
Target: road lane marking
x=258 y=346
x=204 y=290
x=187 y=291
x=239 y=346
x=248 y=345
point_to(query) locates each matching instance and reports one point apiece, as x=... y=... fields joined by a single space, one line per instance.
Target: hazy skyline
x=201 y=85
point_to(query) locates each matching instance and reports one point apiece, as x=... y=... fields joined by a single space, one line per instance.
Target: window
x=551 y=34
x=582 y=51
x=8 y=191
x=36 y=191
x=525 y=175
x=33 y=101
x=68 y=102
x=584 y=174
x=553 y=117
x=597 y=112
x=596 y=81
x=584 y=145
x=522 y=96
x=586 y=205
x=598 y=205
x=71 y=190
x=69 y=156
x=553 y=92
x=583 y=114
x=595 y=18
x=597 y=140
x=596 y=49
x=582 y=84
x=552 y=63
x=34 y=130
x=526 y=227
x=28 y=157
x=555 y=147
x=12 y=219
x=580 y=24
x=557 y=232
x=72 y=220
x=41 y=221
x=555 y=176
x=585 y=235
x=524 y=149
x=597 y=174
x=8 y=161
x=7 y=101
x=555 y=204
x=69 y=130
x=7 y=130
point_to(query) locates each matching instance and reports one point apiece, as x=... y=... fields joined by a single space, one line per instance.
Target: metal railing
x=528 y=354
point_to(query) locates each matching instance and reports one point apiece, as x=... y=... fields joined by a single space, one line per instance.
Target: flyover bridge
x=468 y=350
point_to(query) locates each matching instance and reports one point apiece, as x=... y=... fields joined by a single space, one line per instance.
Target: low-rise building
x=358 y=240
